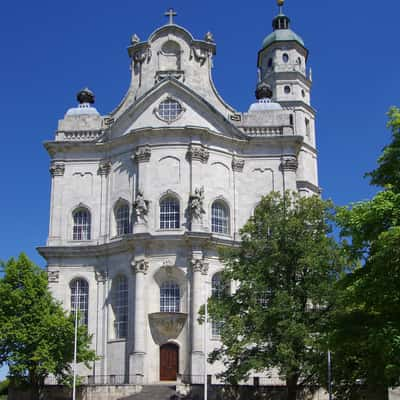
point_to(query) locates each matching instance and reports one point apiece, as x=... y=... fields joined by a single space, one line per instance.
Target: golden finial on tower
x=280 y=5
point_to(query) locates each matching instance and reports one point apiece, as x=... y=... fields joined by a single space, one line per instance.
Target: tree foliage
x=36 y=335
x=366 y=330
x=285 y=269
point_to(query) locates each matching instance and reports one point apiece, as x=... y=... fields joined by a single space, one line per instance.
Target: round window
x=287 y=89
x=169 y=110
x=285 y=57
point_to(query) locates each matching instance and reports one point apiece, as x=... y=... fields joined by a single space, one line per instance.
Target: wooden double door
x=169 y=362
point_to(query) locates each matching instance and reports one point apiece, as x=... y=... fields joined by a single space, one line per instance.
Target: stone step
x=154 y=392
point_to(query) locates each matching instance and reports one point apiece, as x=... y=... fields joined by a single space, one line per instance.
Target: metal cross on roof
x=171 y=14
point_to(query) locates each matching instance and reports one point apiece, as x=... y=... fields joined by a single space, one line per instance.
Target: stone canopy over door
x=169 y=362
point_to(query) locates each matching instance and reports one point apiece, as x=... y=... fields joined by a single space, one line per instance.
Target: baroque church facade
x=142 y=197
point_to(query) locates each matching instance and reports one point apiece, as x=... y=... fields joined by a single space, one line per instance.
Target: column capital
x=140 y=266
x=101 y=276
x=289 y=163
x=53 y=276
x=142 y=154
x=104 y=167
x=237 y=164
x=199 y=265
x=198 y=152
x=57 y=168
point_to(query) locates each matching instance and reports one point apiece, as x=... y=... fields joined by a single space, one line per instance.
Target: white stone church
x=142 y=196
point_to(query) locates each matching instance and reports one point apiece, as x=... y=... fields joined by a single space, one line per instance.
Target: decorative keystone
x=141 y=266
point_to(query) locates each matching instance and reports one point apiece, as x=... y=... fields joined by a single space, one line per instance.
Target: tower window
x=285 y=57
x=270 y=63
x=82 y=224
x=287 y=89
x=169 y=110
x=308 y=129
x=303 y=93
x=80 y=299
x=291 y=119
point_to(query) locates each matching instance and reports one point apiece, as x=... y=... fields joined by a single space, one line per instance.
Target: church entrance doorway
x=169 y=362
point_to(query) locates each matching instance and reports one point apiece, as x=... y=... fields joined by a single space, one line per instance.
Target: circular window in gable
x=169 y=110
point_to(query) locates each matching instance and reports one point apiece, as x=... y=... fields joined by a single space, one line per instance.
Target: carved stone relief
x=198 y=152
x=57 y=168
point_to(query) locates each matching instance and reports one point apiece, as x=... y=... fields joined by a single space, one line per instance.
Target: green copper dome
x=282 y=35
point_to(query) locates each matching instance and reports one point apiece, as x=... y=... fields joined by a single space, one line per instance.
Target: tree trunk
x=291 y=386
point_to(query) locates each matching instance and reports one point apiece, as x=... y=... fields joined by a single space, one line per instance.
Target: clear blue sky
x=51 y=49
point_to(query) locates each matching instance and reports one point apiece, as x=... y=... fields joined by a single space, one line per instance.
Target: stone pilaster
x=288 y=167
x=199 y=271
x=104 y=170
x=57 y=170
x=140 y=268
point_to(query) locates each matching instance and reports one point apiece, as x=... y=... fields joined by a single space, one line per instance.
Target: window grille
x=170 y=297
x=169 y=110
x=121 y=307
x=219 y=218
x=169 y=213
x=80 y=299
x=82 y=225
x=122 y=219
x=217 y=290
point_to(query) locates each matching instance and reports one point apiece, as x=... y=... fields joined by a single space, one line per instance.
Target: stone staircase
x=154 y=392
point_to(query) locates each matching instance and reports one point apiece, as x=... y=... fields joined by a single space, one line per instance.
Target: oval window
x=287 y=89
x=285 y=57
x=169 y=110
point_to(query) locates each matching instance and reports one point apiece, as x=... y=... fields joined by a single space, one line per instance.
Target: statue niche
x=169 y=57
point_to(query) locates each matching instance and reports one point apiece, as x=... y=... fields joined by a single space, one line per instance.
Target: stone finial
x=85 y=96
x=198 y=152
x=263 y=91
x=289 y=163
x=209 y=37
x=198 y=265
x=135 y=39
x=140 y=266
x=57 y=169
x=142 y=153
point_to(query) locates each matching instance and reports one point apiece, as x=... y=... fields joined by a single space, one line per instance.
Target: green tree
x=366 y=331
x=285 y=268
x=36 y=335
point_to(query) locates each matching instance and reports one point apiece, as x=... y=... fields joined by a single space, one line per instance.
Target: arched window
x=170 y=297
x=217 y=290
x=80 y=299
x=219 y=218
x=169 y=213
x=122 y=219
x=82 y=224
x=120 y=306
